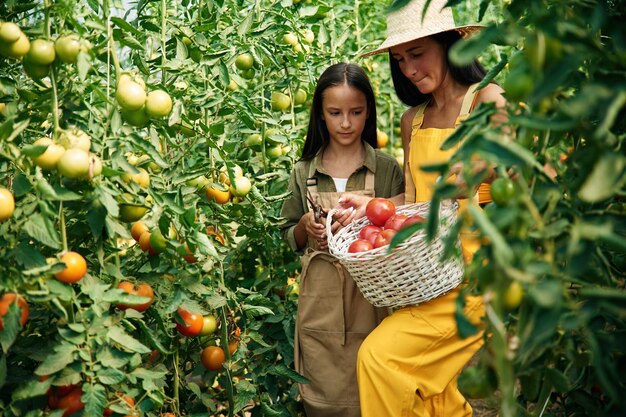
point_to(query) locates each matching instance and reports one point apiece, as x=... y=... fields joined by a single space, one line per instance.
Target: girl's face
x=423 y=62
x=344 y=109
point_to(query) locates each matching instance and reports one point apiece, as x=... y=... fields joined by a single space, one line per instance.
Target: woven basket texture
x=412 y=273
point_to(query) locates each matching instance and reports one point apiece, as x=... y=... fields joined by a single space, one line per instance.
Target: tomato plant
x=554 y=232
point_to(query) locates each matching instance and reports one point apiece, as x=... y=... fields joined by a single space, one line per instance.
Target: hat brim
x=396 y=40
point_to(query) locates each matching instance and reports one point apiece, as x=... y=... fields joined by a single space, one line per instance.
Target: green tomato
x=209 y=325
x=502 y=191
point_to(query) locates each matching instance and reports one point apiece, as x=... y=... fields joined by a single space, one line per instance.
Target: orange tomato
x=219 y=194
x=232 y=346
x=144 y=243
x=137 y=230
x=192 y=323
x=143 y=290
x=75 y=268
x=8 y=299
x=213 y=358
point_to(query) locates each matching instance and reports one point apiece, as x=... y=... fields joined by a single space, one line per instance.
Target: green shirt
x=388 y=182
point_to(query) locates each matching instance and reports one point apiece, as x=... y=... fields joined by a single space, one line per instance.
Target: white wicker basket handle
x=329 y=224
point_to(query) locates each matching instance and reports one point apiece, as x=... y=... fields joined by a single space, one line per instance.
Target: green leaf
x=245 y=25
x=245 y=392
x=255 y=311
x=94 y=398
x=502 y=251
x=151 y=335
x=30 y=389
x=282 y=370
x=42 y=229
x=63 y=356
x=465 y=51
x=397 y=5
x=494 y=71
x=118 y=335
x=605 y=179
x=11 y=327
x=110 y=376
x=465 y=328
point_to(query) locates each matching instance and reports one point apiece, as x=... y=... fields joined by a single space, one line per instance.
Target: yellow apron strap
x=419 y=116
x=468 y=104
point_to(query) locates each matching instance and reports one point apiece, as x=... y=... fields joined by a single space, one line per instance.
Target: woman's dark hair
x=466 y=75
x=317 y=136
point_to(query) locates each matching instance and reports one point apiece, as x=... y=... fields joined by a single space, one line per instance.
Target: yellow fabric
x=408 y=366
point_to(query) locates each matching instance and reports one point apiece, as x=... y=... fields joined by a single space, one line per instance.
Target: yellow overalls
x=408 y=366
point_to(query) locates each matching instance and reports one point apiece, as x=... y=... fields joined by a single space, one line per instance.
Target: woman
x=338 y=156
x=408 y=366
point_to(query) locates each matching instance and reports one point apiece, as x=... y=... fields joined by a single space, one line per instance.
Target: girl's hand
x=315 y=231
x=356 y=202
x=342 y=218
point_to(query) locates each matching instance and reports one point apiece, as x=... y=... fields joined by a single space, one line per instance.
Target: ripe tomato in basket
x=378 y=210
x=384 y=237
x=360 y=245
x=396 y=221
x=369 y=230
x=416 y=218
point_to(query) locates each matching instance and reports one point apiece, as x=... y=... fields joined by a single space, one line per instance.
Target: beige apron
x=333 y=320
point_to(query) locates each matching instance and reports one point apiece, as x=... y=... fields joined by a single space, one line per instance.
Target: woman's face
x=423 y=62
x=344 y=109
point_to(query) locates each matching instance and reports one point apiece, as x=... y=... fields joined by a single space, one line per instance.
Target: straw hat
x=406 y=24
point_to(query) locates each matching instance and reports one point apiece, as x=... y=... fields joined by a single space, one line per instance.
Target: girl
x=408 y=366
x=338 y=156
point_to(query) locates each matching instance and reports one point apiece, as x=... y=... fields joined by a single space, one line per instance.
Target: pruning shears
x=318 y=211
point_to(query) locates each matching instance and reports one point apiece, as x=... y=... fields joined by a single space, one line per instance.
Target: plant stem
x=163 y=30
x=62 y=228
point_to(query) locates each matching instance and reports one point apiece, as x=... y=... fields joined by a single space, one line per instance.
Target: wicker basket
x=412 y=273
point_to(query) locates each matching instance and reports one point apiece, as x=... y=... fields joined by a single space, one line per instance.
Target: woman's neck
x=447 y=93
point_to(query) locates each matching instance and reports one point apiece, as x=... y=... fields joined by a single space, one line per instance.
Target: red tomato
x=378 y=210
x=369 y=230
x=71 y=403
x=192 y=323
x=384 y=237
x=416 y=218
x=360 y=245
x=213 y=357
x=395 y=222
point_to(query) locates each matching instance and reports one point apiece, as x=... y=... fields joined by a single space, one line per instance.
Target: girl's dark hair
x=317 y=136
x=466 y=75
